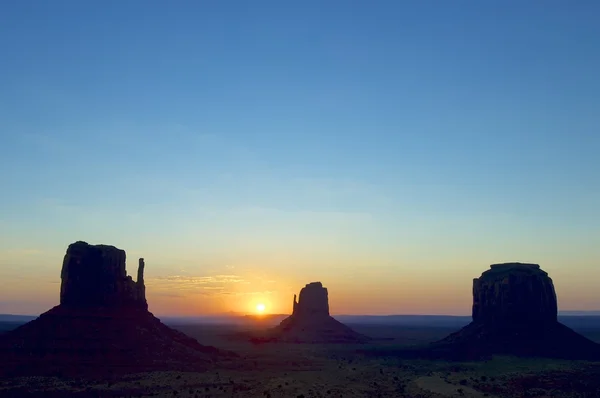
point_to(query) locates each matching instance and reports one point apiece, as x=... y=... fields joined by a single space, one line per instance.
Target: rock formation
x=102 y=325
x=313 y=301
x=515 y=313
x=310 y=321
x=95 y=276
x=514 y=294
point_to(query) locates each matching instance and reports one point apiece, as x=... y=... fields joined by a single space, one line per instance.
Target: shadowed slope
x=555 y=340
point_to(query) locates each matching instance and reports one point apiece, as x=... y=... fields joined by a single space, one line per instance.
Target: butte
x=310 y=322
x=101 y=327
x=514 y=313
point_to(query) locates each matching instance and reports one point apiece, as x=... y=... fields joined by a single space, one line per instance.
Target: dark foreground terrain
x=292 y=370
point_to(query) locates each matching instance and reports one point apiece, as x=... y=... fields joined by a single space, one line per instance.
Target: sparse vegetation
x=314 y=371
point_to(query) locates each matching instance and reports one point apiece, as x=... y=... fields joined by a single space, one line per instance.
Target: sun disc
x=260 y=307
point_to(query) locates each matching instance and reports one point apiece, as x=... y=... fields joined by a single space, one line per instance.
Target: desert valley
x=102 y=341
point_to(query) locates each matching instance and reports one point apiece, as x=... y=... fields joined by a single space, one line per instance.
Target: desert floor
x=289 y=370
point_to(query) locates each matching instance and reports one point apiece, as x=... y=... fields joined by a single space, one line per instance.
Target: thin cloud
x=261 y=293
x=214 y=284
x=167 y=294
x=197 y=280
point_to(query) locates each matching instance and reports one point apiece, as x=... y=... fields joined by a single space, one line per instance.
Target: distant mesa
x=101 y=325
x=515 y=313
x=310 y=321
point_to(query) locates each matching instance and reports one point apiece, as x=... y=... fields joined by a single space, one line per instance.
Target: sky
x=392 y=150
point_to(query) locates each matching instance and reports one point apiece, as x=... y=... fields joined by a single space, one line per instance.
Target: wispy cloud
x=260 y=293
x=167 y=294
x=213 y=284
x=198 y=280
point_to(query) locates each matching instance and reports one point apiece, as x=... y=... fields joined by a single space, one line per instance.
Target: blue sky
x=351 y=141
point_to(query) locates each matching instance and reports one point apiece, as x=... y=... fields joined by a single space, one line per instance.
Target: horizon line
x=234 y=315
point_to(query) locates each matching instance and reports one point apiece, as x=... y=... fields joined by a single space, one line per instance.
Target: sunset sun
x=260 y=308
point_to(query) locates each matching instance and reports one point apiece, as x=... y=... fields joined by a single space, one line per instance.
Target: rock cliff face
x=310 y=321
x=515 y=313
x=514 y=294
x=95 y=276
x=314 y=301
x=102 y=325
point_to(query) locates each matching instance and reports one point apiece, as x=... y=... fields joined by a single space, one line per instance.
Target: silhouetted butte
x=310 y=321
x=102 y=325
x=515 y=313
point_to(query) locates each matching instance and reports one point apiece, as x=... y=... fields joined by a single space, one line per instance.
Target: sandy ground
x=287 y=370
